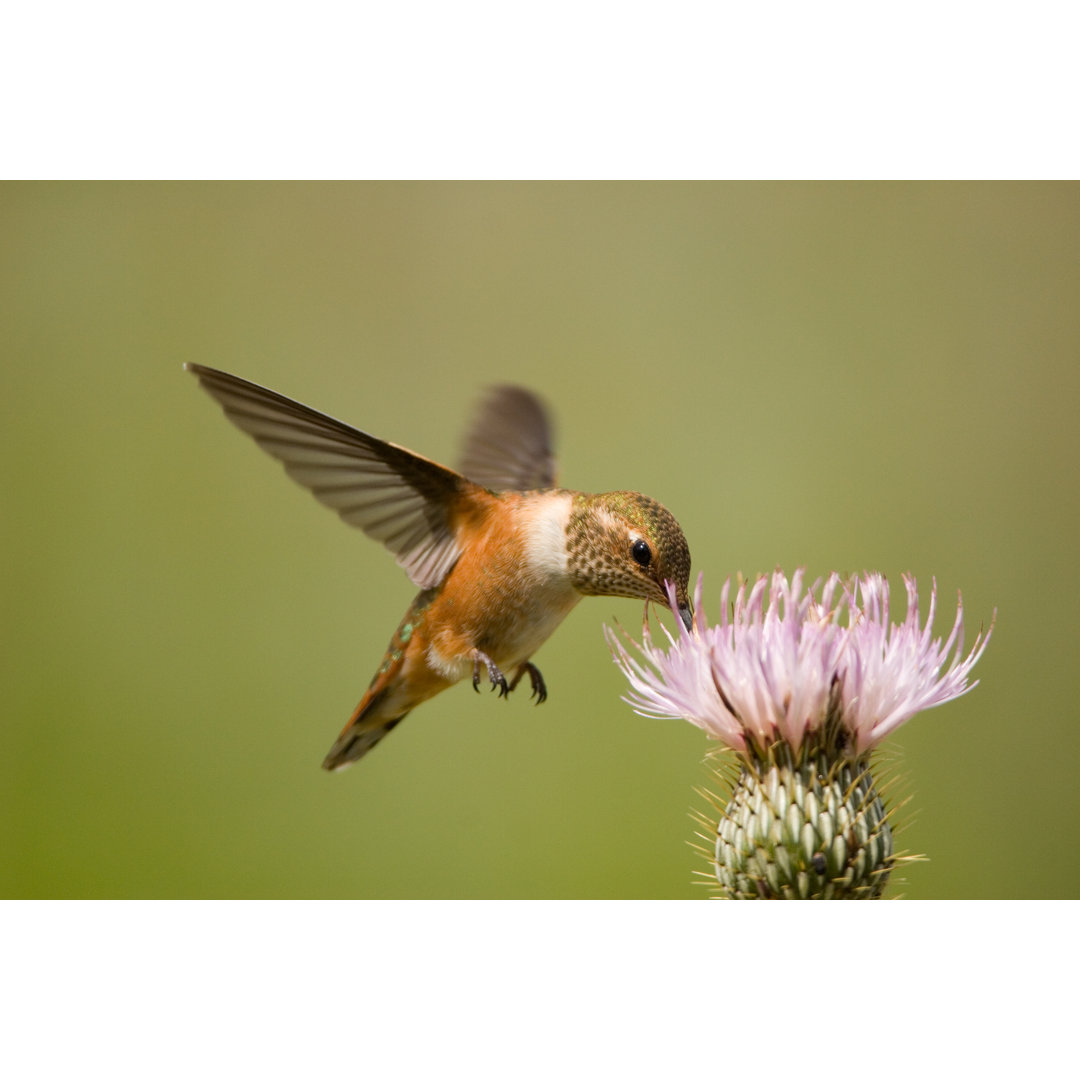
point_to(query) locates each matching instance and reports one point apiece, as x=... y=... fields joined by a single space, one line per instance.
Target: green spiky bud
x=801 y=827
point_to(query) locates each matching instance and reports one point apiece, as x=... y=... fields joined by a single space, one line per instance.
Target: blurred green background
x=839 y=376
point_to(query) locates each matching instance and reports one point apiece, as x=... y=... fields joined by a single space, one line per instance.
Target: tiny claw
x=539 y=690
x=494 y=674
x=536 y=680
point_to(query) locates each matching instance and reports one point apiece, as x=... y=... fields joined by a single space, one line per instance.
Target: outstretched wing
x=397 y=497
x=508 y=446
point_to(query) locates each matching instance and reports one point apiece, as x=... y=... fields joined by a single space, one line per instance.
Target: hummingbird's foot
x=494 y=674
x=539 y=690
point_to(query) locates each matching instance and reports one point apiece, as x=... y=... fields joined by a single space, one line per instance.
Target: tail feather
x=356 y=740
x=365 y=729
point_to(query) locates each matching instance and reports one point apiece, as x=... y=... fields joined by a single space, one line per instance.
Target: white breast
x=551 y=593
x=545 y=522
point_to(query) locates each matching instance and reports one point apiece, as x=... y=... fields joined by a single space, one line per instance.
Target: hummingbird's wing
x=397 y=497
x=508 y=445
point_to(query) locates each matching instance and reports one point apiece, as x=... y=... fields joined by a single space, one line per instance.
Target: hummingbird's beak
x=687 y=615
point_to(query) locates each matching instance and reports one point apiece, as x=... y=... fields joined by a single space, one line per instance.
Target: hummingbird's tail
x=361 y=734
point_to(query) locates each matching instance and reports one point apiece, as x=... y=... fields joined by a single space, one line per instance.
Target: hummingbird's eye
x=642 y=553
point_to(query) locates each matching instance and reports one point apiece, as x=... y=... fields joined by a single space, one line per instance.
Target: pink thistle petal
x=767 y=670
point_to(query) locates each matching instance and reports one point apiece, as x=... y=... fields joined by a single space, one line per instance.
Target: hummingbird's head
x=623 y=543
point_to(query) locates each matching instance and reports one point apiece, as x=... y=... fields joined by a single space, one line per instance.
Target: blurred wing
x=508 y=446
x=397 y=497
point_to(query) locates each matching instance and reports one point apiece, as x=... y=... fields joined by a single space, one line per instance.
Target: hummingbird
x=500 y=553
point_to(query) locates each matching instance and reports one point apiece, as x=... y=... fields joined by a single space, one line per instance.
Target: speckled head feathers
x=623 y=543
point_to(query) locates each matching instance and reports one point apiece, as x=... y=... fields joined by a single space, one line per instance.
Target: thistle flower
x=802 y=686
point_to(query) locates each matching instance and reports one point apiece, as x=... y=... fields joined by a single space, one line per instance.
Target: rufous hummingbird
x=499 y=553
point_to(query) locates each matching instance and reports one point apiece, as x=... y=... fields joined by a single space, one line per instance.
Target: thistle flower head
x=786 y=663
x=802 y=684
